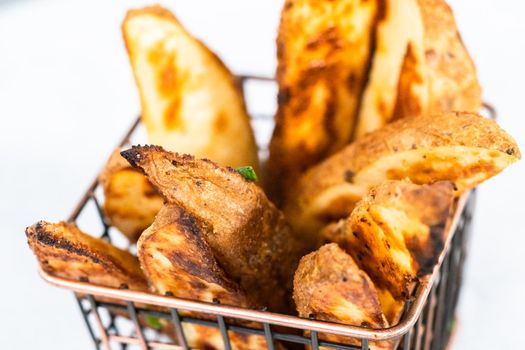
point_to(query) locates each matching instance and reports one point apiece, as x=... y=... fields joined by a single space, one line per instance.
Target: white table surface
x=67 y=94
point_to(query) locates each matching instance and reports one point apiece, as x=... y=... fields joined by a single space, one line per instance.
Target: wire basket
x=114 y=317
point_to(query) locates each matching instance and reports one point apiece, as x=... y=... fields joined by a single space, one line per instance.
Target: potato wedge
x=461 y=147
x=190 y=101
x=176 y=259
x=397 y=232
x=420 y=66
x=65 y=251
x=323 y=54
x=245 y=231
x=130 y=201
x=335 y=232
x=329 y=286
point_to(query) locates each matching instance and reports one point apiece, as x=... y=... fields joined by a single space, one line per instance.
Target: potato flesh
x=131 y=202
x=402 y=27
x=190 y=101
x=465 y=166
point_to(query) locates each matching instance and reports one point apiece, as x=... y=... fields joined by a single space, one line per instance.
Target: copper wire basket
x=114 y=323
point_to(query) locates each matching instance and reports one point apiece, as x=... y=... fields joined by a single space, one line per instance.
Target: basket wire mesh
x=117 y=319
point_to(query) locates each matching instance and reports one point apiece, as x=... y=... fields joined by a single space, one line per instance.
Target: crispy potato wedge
x=397 y=232
x=190 y=101
x=130 y=201
x=329 y=286
x=335 y=232
x=323 y=54
x=245 y=231
x=65 y=251
x=176 y=259
x=420 y=66
x=461 y=147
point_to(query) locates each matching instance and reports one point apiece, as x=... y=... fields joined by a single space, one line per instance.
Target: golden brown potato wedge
x=329 y=286
x=190 y=101
x=323 y=51
x=397 y=232
x=176 y=258
x=420 y=66
x=245 y=231
x=463 y=148
x=130 y=201
x=65 y=251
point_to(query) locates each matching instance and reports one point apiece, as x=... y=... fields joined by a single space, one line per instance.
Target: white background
x=67 y=95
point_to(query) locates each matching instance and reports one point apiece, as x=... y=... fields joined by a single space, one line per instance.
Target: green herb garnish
x=153 y=322
x=247 y=172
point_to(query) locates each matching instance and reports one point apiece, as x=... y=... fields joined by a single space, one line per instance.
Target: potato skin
x=329 y=286
x=191 y=102
x=450 y=74
x=467 y=147
x=323 y=53
x=65 y=251
x=130 y=200
x=246 y=232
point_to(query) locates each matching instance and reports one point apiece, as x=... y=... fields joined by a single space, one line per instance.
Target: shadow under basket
x=123 y=319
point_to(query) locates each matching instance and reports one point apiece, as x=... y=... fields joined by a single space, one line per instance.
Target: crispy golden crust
x=176 y=258
x=245 y=231
x=461 y=147
x=190 y=100
x=397 y=232
x=329 y=286
x=323 y=51
x=65 y=251
x=130 y=201
x=335 y=232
